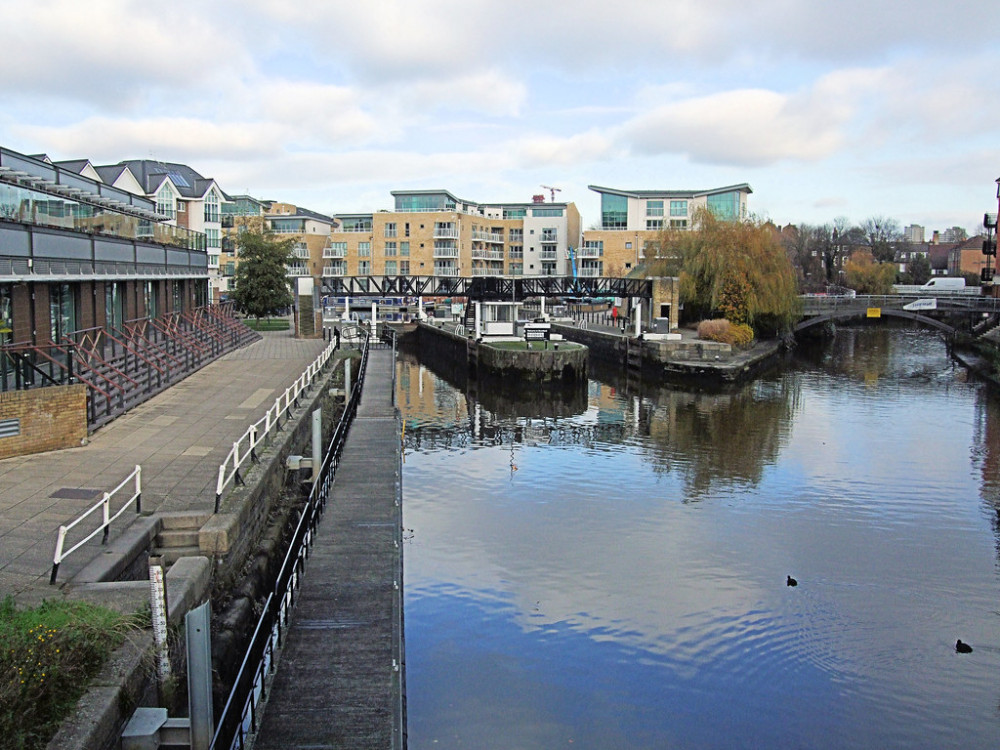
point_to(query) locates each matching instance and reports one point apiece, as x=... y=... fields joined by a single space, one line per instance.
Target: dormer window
x=166 y=201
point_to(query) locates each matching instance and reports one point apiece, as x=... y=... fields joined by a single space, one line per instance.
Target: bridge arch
x=833 y=317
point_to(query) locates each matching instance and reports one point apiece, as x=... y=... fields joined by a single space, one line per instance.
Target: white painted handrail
x=246 y=447
x=104 y=504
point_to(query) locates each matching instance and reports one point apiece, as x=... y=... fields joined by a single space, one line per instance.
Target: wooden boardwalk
x=340 y=680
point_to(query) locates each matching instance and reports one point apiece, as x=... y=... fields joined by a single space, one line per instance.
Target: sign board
x=922 y=304
x=536 y=334
x=874 y=312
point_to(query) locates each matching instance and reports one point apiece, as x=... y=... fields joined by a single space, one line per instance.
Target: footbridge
x=959 y=313
x=503 y=288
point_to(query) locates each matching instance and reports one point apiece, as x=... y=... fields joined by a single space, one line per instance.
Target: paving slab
x=201 y=417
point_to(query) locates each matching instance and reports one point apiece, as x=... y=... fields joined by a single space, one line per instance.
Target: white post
x=374 y=315
x=637 y=314
x=420 y=309
x=347 y=378
x=479 y=319
x=543 y=308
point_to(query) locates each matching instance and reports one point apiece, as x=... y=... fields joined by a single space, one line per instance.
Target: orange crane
x=552 y=192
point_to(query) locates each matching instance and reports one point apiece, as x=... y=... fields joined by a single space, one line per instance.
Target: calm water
x=606 y=569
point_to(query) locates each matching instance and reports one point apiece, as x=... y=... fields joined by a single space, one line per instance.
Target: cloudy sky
x=850 y=108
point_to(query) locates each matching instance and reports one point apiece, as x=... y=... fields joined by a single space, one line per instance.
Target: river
x=607 y=568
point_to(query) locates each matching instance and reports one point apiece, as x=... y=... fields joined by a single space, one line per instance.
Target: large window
x=166 y=201
x=390 y=229
x=614 y=211
x=654 y=208
x=515 y=213
x=114 y=304
x=149 y=301
x=390 y=268
x=364 y=249
x=678 y=208
x=404 y=248
x=62 y=311
x=212 y=238
x=390 y=249
x=364 y=267
x=725 y=205
x=212 y=206
x=544 y=212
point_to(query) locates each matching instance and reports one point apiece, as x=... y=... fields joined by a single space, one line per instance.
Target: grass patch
x=267 y=324
x=521 y=346
x=48 y=654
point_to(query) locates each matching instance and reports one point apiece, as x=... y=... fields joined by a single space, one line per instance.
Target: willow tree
x=866 y=276
x=261 y=285
x=734 y=269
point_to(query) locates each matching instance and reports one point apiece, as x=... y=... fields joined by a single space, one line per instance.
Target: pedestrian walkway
x=179 y=437
x=340 y=676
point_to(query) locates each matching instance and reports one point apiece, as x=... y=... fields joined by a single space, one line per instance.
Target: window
x=516 y=213
x=543 y=212
x=678 y=208
x=165 y=201
x=390 y=249
x=725 y=205
x=654 y=224
x=62 y=311
x=678 y=223
x=364 y=249
x=212 y=238
x=390 y=268
x=628 y=245
x=213 y=261
x=212 y=206
x=406 y=229
x=404 y=267
x=404 y=248
x=364 y=267
x=390 y=229
x=149 y=300
x=614 y=211
x=654 y=208
x=114 y=304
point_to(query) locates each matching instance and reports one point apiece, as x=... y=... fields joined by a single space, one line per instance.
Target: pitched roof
x=151 y=174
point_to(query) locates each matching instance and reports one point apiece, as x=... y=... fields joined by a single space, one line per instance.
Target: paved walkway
x=336 y=684
x=178 y=437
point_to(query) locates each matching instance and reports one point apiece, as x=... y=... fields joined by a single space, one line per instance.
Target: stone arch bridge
x=955 y=313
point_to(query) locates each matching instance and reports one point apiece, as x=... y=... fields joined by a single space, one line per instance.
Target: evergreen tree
x=261 y=283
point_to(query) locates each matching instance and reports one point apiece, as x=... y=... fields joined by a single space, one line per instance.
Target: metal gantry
x=513 y=288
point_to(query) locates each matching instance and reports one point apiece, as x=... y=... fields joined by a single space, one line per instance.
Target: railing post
x=57 y=557
x=106 y=510
x=253 y=444
x=138 y=489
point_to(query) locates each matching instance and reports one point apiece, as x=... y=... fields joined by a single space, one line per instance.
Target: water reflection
x=561 y=587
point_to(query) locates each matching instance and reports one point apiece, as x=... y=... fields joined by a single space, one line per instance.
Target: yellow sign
x=874 y=312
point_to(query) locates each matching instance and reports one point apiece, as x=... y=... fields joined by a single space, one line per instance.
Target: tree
x=866 y=276
x=882 y=234
x=734 y=268
x=918 y=270
x=261 y=282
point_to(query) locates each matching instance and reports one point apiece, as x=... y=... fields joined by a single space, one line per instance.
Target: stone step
x=184 y=519
x=171 y=555
x=177 y=538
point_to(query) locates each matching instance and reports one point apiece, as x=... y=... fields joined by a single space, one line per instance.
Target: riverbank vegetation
x=737 y=270
x=48 y=654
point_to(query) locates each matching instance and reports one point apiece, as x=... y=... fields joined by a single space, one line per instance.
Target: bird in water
x=789 y=581
x=962 y=648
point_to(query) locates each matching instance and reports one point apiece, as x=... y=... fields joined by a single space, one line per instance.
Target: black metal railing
x=240 y=718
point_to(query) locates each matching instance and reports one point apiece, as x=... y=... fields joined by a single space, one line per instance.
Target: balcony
x=297 y=270
x=356 y=229
x=590 y=273
x=334 y=252
x=300 y=251
x=589 y=252
x=445 y=250
x=335 y=269
x=445 y=232
x=483 y=254
x=494 y=237
x=552 y=255
x=550 y=238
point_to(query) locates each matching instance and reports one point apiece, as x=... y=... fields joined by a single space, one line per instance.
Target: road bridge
x=950 y=314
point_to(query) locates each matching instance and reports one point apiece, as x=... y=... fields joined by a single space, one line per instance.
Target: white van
x=949 y=283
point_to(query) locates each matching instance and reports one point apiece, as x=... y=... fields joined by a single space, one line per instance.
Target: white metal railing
x=335 y=270
x=446 y=252
x=104 y=504
x=445 y=233
x=246 y=446
x=354 y=229
x=549 y=255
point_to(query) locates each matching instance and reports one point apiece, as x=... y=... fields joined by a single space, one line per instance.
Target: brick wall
x=50 y=419
x=22 y=314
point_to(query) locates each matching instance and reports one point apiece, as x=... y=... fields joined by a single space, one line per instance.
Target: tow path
x=340 y=681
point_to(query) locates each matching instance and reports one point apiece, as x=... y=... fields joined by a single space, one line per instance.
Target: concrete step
x=184 y=519
x=177 y=538
x=173 y=554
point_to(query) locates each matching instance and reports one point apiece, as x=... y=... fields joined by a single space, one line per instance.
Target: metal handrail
x=104 y=504
x=239 y=718
x=229 y=469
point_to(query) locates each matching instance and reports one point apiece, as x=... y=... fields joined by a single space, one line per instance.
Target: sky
x=827 y=109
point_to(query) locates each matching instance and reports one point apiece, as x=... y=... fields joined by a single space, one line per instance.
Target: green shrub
x=724 y=332
x=47 y=656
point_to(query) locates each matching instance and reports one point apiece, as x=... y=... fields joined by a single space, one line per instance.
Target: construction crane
x=552 y=191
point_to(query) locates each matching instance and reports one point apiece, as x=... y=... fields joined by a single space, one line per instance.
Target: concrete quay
x=340 y=677
x=179 y=438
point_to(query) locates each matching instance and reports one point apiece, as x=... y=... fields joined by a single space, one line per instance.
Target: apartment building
x=632 y=219
x=309 y=231
x=434 y=233
x=184 y=198
x=77 y=252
